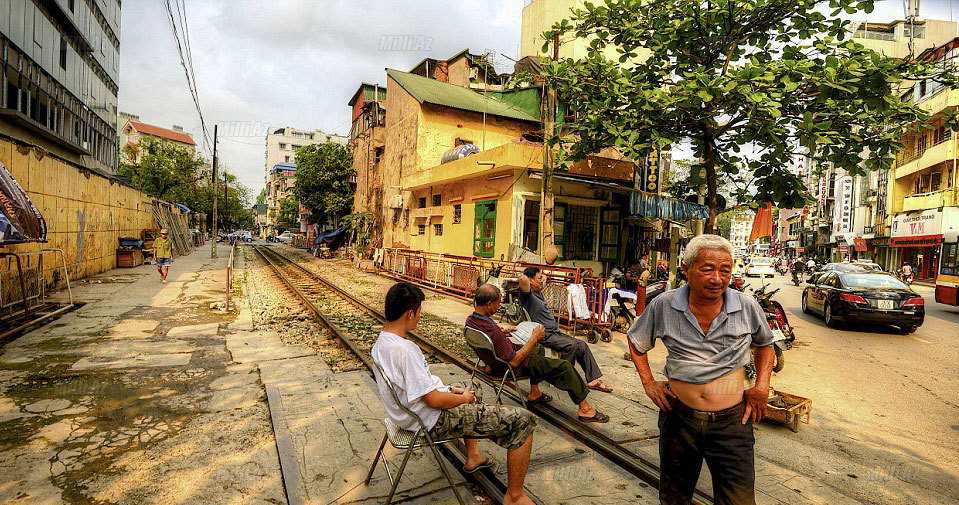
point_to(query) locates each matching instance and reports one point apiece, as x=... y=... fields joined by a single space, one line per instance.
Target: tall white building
x=739 y=230
x=281 y=146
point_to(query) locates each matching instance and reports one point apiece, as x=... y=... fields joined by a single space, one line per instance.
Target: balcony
x=931 y=200
x=426 y=212
x=910 y=162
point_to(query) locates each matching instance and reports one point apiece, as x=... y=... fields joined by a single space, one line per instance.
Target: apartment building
x=924 y=198
x=894 y=38
x=60 y=77
x=281 y=146
x=135 y=135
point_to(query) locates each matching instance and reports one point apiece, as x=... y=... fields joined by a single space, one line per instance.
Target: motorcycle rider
x=811 y=264
x=797 y=270
x=907 y=273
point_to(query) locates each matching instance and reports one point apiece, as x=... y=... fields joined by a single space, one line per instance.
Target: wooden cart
x=788 y=409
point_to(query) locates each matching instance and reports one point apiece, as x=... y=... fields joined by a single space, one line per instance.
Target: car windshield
x=877 y=281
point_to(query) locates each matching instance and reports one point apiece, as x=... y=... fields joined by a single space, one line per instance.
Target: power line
x=186 y=61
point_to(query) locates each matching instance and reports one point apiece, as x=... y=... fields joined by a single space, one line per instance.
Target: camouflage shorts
x=506 y=426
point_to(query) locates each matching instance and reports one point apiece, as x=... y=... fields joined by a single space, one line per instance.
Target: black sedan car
x=864 y=296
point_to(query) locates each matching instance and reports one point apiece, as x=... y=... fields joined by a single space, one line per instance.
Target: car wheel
x=805 y=303
x=827 y=315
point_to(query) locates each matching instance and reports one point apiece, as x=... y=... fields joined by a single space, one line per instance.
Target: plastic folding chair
x=480 y=340
x=406 y=440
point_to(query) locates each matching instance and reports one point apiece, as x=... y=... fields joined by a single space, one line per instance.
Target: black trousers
x=687 y=438
x=576 y=352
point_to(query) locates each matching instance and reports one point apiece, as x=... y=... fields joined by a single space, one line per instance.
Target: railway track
x=357 y=327
x=312 y=289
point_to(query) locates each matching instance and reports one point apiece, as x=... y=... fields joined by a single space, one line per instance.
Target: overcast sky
x=261 y=65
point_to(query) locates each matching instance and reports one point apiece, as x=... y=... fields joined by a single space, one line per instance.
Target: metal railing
x=229 y=273
x=459 y=276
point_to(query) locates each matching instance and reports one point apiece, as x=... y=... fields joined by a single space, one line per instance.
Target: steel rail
x=485 y=478
x=637 y=465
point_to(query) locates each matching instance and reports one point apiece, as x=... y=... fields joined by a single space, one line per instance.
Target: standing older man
x=706 y=410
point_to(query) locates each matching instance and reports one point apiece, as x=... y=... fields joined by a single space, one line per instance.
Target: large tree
x=162 y=168
x=323 y=173
x=746 y=82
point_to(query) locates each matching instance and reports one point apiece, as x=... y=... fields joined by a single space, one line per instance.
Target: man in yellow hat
x=163 y=254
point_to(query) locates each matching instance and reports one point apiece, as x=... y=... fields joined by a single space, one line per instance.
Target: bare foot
x=521 y=500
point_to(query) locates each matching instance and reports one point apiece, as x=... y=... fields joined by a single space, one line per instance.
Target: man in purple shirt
x=528 y=359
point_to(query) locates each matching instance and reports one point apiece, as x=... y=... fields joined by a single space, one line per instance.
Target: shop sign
x=859 y=244
x=843 y=249
x=823 y=189
x=915 y=224
x=842 y=214
x=801 y=249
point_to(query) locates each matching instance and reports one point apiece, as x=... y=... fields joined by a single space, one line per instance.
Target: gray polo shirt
x=693 y=356
x=539 y=312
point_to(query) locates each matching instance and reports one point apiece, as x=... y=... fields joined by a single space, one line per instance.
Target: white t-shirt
x=408 y=371
x=811 y=264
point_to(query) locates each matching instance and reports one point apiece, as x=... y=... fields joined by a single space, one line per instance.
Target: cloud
x=298 y=62
x=288 y=63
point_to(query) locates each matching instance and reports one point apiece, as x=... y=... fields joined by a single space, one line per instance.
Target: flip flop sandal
x=599 y=417
x=604 y=388
x=485 y=464
x=543 y=398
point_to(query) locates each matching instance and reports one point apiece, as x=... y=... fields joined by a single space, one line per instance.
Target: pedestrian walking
x=163 y=254
x=706 y=411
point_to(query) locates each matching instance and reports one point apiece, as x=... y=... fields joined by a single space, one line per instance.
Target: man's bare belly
x=721 y=393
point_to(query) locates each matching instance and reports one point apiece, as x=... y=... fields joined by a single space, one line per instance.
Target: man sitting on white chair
x=447 y=412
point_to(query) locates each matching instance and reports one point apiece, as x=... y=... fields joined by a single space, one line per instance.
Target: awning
x=916 y=241
x=20 y=221
x=653 y=206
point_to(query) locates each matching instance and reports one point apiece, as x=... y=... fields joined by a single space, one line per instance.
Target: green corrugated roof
x=426 y=90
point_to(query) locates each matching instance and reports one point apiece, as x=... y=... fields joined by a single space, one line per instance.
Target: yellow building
x=540 y=15
x=893 y=39
x=924 y=200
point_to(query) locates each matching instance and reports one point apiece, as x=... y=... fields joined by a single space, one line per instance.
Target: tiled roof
x=156 y=131
x=426 y=90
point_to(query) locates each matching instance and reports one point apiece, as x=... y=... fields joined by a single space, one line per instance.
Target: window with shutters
x=484 y=228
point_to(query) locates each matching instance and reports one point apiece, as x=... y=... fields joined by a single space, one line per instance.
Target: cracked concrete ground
x=134 y=399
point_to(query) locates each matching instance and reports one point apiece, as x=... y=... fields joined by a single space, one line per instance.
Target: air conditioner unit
x=396 y=202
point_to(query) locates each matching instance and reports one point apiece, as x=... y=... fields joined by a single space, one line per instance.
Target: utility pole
x=226 y=202
x=547 y=247
x=213 y=182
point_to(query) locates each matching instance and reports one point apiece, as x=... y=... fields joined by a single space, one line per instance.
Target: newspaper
x=523 y=332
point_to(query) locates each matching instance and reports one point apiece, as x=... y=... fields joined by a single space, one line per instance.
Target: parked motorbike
x=510 y=309
x=783 y=334
x=737 y=282
x=623 y=309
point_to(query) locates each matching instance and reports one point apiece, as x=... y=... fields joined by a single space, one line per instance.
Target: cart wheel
x=592 y=337
x=607 y=335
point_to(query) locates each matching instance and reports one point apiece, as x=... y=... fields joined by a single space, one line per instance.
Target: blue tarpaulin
x=182 y=207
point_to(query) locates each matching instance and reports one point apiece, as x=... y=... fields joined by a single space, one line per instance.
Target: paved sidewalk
x=134 y=398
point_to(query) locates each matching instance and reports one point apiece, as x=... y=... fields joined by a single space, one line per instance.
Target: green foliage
x=359 y=227
x=165 y=170
x=289 y=212
x=177 y=175
x=323 y=173
x=731 y=77
x=261 y=198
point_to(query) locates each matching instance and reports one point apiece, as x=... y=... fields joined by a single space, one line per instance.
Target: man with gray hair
x=706 y=411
